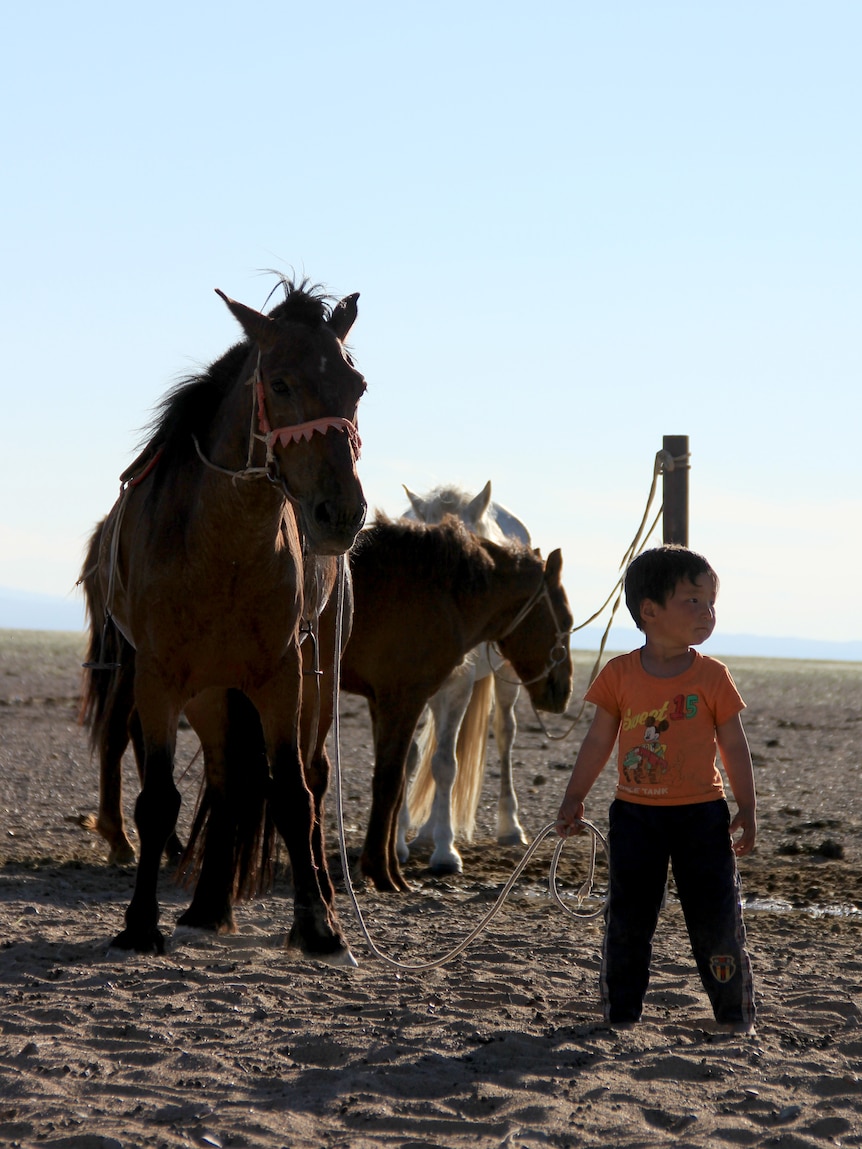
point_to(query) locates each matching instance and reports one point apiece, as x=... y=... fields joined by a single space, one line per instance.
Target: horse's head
x=538 y=646
x=486 y=519
x=307 y=395
x=473 y=511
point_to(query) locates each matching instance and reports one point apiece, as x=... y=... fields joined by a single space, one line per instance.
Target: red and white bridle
x=299 y=431
x=295 y=433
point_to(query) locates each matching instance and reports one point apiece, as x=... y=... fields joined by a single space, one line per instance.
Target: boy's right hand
x=592 y=756
x=570 y=817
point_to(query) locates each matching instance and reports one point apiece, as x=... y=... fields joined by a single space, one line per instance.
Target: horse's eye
x=281 y=386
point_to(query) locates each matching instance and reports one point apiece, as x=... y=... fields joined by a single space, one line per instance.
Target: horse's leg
x=113 y=740
x=173 y=846
x=510 y=832
x=222 y=740
x=394 y=722
x=448 y=706
x=315 y=927
x=402 y=849
x=317 y=775
x=318 y=768
x=156 y=812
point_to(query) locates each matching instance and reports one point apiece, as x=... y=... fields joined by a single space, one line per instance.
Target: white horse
x=450 y=749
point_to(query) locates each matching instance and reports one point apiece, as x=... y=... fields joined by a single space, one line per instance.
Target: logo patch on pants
x=722 y=966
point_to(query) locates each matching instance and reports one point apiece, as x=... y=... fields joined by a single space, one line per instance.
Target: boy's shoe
x=743 y=1028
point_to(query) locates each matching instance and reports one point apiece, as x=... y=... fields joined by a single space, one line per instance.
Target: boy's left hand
x=745 y=820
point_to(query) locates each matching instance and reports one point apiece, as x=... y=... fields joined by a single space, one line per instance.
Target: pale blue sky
x=574 y=227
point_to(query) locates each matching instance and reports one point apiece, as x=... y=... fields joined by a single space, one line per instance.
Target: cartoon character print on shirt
x=646 y=764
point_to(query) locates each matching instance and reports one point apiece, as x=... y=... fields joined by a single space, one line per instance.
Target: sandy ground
x=236 y=1042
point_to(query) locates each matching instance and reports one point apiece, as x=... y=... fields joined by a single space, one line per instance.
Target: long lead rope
x=663 y=463
x=419 y=967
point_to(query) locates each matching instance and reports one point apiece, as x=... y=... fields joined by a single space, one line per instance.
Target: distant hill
x=740 y=645
x=21 y=610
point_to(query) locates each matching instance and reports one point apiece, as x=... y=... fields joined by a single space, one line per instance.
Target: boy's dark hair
x=655 y=573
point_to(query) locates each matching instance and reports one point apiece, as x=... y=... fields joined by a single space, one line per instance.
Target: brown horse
x=206 y=568
x=423 y=597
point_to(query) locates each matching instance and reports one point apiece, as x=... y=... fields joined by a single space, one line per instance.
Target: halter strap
x=299 y=431
x=557 y=652
x=538 y=594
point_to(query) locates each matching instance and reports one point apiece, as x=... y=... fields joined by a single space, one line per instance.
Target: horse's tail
x=470 y=756
x=106 y=647
x=91 y=703
x=254 y=844
x=421 y=789
x=246 y=828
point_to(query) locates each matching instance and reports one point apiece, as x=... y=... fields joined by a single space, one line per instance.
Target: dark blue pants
x=695 y=840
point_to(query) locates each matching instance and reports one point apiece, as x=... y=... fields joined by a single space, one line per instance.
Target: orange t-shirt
x=667 y=749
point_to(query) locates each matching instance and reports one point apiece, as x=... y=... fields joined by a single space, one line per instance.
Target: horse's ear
x=258 y=327
x=344 y=316
x=480 y=504
x=554 y=567
x=419 y=505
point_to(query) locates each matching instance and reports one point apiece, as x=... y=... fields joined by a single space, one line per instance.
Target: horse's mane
x=307 y=303
x=191 y=404
x=456 y=559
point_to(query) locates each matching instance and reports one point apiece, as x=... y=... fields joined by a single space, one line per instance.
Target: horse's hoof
x=447 y=864
x=123 y=855
x=221 y=924
x=341 y=957
x=197 y=937
x=317 y=936
x=212 y=929
x=331 y=951
x=121 y=852
x=139 y=941
x=386 y=884
x=379 y=874
x=513 y=839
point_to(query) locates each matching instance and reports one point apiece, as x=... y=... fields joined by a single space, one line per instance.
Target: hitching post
x=675 y=491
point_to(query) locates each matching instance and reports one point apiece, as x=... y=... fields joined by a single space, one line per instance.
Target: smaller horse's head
x=307 y=396
x=538 y=647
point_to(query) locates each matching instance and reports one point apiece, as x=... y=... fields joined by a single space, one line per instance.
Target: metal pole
x=675 y=491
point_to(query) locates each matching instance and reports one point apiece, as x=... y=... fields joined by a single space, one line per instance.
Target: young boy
x=670 y=706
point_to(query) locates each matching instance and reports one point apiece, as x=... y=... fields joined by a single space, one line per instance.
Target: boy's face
x=688 y=616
